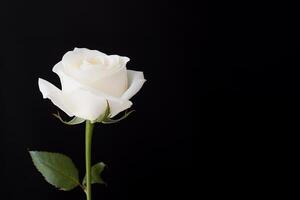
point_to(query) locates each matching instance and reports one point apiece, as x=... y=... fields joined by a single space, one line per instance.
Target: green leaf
x=57 y=169
x=112 y=121
x=74 y=121
x=96 y=171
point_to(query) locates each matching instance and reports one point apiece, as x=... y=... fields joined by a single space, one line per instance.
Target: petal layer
x=51 y=92
x=135 y=82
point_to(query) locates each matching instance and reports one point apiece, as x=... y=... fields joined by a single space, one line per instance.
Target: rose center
x=93 y=61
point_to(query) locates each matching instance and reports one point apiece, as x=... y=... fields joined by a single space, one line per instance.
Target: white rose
x=89 y=78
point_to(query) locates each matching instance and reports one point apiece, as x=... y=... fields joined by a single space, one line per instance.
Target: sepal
x=74 y=121
x=105 y=118
x=112 y=121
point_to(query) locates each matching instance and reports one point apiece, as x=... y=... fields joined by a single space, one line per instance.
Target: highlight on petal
x=135 y=82
x=51 y=92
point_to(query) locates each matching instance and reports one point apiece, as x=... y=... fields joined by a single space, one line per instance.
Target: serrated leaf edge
x=51 y=167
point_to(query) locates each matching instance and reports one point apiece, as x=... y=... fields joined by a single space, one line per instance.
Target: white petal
x=114 y=85
x=86 y=105
x=54 y=94
x=58 y=68
x=88 y=52
x=124 y=60
x=76 y=49
x=135 y=82
x=90 y=106
x=79 y=95
x=68 y=84
x=117 y=106
x=72 y=60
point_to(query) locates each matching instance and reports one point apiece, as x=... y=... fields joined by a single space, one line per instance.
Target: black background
x=250 y=100
x=149 y=155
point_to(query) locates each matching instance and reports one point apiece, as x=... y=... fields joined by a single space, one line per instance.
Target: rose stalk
x=95 y=88
x=88 y=145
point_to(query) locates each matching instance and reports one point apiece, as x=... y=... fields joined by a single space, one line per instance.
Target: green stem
x=88 y=147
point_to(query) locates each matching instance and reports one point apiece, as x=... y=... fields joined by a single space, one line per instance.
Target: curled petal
x=135 y=83
x=51 y=92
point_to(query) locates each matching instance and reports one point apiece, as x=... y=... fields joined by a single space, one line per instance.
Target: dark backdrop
x=149 y=155
x=250 y=100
